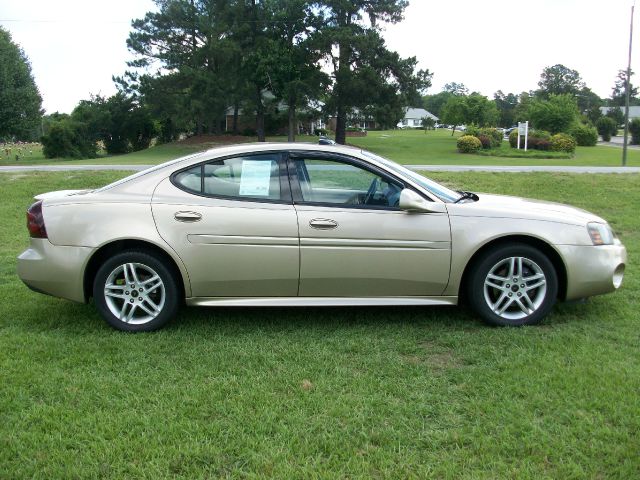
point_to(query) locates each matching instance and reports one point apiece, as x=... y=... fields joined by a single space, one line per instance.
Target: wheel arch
x=117 y=246
x=546 y=248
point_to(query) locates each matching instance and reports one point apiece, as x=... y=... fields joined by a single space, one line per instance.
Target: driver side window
x=340 y=183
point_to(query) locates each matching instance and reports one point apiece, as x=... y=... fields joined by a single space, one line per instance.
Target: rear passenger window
x=251 y=176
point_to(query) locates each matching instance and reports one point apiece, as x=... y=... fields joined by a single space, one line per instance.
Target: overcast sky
x=75 y=46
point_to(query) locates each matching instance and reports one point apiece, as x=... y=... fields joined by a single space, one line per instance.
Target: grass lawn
x=404 y=146
x=323 y=393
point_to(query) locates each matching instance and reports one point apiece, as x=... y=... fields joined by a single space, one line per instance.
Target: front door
x=355 y=241
x=233 y=224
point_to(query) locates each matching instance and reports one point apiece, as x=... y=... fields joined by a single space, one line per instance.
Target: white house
x=634 y=112
x=413 y=118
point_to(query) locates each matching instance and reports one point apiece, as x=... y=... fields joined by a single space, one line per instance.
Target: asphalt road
x=428 y=168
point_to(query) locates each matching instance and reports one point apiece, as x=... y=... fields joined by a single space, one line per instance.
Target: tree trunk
x=341 y=125
x=236 y=110
x=292 y=121
x=259 y=115
x=453 y=130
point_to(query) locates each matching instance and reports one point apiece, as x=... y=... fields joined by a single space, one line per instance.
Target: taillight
x=35 y=221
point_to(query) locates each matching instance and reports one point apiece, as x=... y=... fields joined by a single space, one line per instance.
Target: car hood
x=504 y=206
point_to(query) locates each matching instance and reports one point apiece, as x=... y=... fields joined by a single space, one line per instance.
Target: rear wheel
x=136 y=292
x=513 y=285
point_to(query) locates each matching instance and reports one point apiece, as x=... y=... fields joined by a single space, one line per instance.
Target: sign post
x=523 y=129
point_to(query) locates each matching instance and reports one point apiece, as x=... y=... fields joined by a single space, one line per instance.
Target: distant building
x=634 y=112
x=413 y=118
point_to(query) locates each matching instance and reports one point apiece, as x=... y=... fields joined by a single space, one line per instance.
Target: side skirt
x=316 y=301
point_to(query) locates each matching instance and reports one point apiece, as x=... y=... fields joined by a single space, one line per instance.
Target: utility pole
x=627 y=93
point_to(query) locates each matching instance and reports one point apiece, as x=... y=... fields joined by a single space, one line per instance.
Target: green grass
x=404 y=146
x=323 y=393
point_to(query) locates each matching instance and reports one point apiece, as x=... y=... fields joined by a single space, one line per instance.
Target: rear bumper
x=593 y=270
x=54 y=270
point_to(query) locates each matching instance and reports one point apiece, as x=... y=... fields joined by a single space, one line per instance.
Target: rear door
x=233 y=224
x=354 y=239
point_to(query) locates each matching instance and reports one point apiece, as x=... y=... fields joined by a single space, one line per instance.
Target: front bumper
x=54 y=270
x=593 y=270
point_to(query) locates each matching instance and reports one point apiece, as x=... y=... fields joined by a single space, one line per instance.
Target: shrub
x=513 y=138
x=541 y=134
x=634 y=128
x=472 y=130
x=321 y=131
x=606 y=128
x=495 y=136
x=249 y=132
x=585 y=135
x=68 y=139
x=485 y=141
x=561 y=142
x=469 y=144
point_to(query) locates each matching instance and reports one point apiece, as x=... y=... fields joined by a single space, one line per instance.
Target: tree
x=118 y=121
x=435 y=103
x=616 y=114
x=474 y=109
x=454 y=111
x=506 y=105
x=618 y=92
x=559 y=80
x=364 y=71
x=555 y=115
x=20 y=101
x=191 y=40
x=293 y=58
x=456 y=89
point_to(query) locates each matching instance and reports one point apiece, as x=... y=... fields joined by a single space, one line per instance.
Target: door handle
x=188 y=216
x=323 y=223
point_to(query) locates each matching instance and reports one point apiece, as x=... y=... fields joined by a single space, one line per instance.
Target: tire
x=495 y=297
x=149 y=305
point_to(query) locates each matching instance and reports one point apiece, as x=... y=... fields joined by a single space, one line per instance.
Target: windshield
x=442 y=192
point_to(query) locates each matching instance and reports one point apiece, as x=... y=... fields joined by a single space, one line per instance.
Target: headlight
x=600 y=233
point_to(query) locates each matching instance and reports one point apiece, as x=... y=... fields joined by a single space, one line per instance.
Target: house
x=634 y=112
x=413 y=118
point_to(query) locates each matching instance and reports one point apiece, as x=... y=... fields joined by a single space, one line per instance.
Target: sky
x=75 y=46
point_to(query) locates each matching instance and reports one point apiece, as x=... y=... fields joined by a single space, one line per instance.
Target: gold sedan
x=309 y=225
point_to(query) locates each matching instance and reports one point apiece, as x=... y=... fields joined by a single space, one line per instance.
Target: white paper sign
x=256 y=177
x=522 y=128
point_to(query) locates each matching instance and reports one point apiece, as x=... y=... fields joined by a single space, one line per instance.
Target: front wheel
x=136 y=292
x=513 y=285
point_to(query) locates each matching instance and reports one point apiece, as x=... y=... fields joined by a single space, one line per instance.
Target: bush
x=634 y=129
x=249 y=132
x=469 y=144
x=561 y=142
x=495 y=136
x=68 y=139
x=541 y=134
x=513 y=138
x=585 y=135
x=485 y=141
x=472 y=130
x=323 y=132
x=606 y=128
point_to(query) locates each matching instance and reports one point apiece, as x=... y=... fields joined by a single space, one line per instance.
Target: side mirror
x=412 y=202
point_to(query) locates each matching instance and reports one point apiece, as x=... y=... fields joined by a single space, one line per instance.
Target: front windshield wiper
x=467 y=195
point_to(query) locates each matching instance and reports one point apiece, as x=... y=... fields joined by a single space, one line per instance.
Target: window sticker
x=256 y=177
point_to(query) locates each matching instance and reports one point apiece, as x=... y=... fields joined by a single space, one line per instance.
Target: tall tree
x=189 y=39
x=456 y=88
x=20 y=101
x=506 y=104
x=294 y=73
x=619 y=91
x=559 y=80
x=363 y=69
